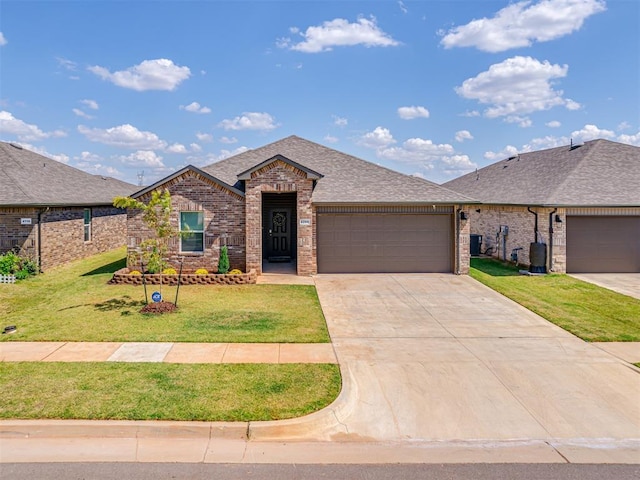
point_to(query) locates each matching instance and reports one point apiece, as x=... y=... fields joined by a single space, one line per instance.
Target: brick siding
x=280 y=177
x=62 y=233
x=224 y=224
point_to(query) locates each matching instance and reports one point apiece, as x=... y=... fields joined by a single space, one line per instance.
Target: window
x=87 y=224
x=191 y=232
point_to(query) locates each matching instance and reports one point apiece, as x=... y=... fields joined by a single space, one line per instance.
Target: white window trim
x=87 y=225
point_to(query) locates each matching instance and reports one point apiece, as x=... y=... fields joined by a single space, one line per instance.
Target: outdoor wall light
x=463 y=215
x=477 y=210
x=558 y=219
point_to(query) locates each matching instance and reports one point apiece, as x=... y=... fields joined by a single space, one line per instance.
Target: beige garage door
x=384 y=243
x=603 y=244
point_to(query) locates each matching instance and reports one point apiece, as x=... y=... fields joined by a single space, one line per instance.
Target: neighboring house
x=55 y=213
x=297 y=201
x=587 y=200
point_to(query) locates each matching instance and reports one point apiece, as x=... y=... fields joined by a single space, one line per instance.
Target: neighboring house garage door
x=603 y=244
x=384 y=242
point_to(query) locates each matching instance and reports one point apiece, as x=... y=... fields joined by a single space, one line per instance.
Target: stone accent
x=122 y=277
x=279 y=176
x=224 y=224
x=520 y=224
x=61 y=233
x=462 y=244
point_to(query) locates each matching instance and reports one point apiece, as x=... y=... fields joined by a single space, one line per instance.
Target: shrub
x=135 y=272
x=223 y=262
x=202 y=271
x=169 y=271
x=235 y=271
x=21 y=267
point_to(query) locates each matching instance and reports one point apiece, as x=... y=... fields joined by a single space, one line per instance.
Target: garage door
x=603 y=244
x=384 y=243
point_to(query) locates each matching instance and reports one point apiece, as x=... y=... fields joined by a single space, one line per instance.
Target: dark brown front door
x=278 y=238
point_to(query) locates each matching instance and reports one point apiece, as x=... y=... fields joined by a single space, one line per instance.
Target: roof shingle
x=345 y=178
x=600 y=173
x=30 y=179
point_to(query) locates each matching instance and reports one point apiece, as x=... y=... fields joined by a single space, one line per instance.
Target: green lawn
x=75 y=303
x=160 y=391
x=590 y=312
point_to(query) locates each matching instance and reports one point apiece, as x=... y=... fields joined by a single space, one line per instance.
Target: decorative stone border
x=122 y=277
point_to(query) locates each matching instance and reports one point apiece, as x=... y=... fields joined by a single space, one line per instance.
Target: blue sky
x=431 y=88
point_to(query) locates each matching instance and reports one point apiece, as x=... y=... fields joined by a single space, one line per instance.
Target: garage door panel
x=598 y=244
x=362 y=243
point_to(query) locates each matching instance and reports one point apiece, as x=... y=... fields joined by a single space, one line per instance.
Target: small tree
x=156 y=214
x=223 y=262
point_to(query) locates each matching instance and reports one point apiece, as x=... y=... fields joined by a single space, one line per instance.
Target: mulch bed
x=159 y=307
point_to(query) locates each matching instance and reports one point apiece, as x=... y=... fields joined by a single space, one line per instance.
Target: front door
x=278 y=235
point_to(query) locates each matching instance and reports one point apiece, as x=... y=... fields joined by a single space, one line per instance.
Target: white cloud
x=159 y=74
x=340 y=121
x=228 y=140
x=553 y=124
x=506 y=152
x=522 y=122
x=417 y=151
x=3 y=40
x=591 y=132
x=409 y=113
x=176 y=148
x=463 y=135
x=379 y=138
x=470 y=114
x=92 y=104
x=96 y=168
x=517 y=86
x=142 y=158
x=67 y=64
x=630 y=139
x=330 y=139
x=339 y=33
x=82 y=114
x=250 y=121
x=195 y=147
x=126 y=136
x=624 y=126
x=60 y=157
x=520 y=24
x=204 y=137
x=195 y=107
x=24 y=131
x=402 y=6
x=457 y=164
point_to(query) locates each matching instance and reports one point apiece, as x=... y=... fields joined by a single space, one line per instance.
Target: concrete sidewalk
x=167 y=352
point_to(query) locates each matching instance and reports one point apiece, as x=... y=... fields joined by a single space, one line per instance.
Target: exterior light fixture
x=463 y=215
x=558 y=219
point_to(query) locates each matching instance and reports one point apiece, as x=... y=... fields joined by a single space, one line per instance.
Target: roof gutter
x=551 y=239
x=457 y=241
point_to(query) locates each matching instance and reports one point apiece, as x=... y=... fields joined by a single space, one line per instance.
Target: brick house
x=320 y=210
x=55 y=213
x=581 y=201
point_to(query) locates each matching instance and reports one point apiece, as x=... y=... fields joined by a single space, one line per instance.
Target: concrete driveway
x=435 y=358
x=625 y=283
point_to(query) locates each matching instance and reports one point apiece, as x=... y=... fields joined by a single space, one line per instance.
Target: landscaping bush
x=169 y=271
x=202 y=271
x=235 y=271
x=223 y=263
x=21 y=267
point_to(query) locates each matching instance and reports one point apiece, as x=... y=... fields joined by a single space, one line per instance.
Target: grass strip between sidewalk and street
x=160 y=391
x=593 y=313
x=74 y=303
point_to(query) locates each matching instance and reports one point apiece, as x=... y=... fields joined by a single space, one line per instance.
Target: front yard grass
x=75 y=303
x=593 y=313
x=160 y=391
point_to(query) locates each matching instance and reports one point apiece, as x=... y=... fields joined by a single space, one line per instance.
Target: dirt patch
x=159 y=307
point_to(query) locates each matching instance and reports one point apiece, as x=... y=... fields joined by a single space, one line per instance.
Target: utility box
x=475 y=245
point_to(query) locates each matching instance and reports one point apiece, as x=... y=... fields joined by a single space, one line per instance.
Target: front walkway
x=167 y=352
x=625 y=283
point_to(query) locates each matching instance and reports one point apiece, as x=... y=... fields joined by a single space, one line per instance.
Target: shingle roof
x=346 y=179
x=30 y=179
x=598 y=173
